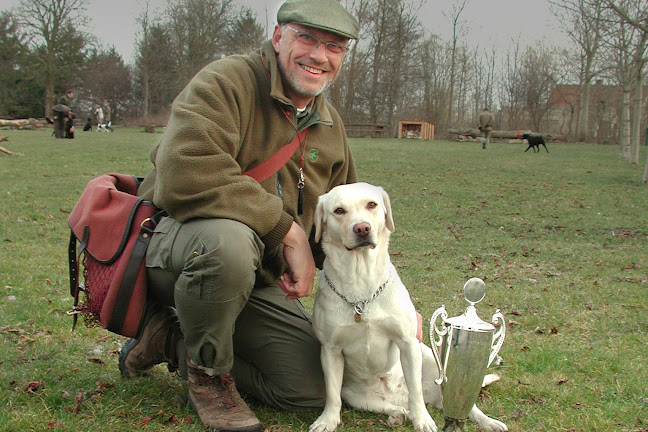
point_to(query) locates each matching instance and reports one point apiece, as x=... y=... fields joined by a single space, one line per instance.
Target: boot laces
x=228 y=398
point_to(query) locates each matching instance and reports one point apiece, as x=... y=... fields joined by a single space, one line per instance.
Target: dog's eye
x=372 y=205
x=339 y=211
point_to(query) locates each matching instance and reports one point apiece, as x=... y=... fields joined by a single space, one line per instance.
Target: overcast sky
x=491 y=22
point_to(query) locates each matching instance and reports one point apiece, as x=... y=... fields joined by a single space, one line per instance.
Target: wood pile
x=23 y=123
x=470 y=134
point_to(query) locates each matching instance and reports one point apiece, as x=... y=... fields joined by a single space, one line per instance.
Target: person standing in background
x=486 y=120
x=107 y=115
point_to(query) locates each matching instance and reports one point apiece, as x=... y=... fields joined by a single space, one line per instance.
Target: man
x=486 y=120
x=215 y=263
x=66 y=98
x=107 y=115
x=60 y=112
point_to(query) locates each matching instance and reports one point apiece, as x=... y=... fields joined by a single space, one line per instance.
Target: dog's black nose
x=362 y=229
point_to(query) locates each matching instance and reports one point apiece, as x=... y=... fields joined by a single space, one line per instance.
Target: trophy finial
x=474 y=290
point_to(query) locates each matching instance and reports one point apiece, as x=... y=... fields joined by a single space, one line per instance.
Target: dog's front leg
x=333 y=367
x=412 y=361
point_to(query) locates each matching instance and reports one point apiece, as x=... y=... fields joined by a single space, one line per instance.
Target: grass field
x=560 y=238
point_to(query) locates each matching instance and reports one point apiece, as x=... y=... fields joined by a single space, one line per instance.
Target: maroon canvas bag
x=112 y=227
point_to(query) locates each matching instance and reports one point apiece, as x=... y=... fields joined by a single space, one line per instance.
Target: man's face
x=306 y=71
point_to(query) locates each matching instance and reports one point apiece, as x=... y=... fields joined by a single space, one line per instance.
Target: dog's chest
x=367 y=347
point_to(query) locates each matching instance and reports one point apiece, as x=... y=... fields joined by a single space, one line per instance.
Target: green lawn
x=560 y=238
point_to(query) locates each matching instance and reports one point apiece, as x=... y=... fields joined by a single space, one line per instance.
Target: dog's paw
x=492 y=425
x=424 y=424
x=325 y=424
x=397 y=417
x=490 y=379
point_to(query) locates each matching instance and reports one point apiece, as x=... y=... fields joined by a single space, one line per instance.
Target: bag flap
x=106 y=207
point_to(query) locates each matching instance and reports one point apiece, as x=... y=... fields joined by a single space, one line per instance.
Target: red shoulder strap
x=269 y=167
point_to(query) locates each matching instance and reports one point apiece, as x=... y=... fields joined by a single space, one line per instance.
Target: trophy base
x=454 y=425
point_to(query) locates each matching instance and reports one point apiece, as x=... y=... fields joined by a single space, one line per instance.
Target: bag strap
x=73 y=263
x=269 y=167
x=74 y=277
x=127 y=285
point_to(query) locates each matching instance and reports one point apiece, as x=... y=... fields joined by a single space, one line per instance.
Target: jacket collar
x=269 y=60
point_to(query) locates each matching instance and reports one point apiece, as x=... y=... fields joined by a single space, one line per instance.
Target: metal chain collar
x=358 y=307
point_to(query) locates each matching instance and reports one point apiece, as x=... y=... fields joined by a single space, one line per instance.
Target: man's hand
x=298 y=282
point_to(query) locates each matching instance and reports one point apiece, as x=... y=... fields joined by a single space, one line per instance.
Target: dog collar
x=358 y=307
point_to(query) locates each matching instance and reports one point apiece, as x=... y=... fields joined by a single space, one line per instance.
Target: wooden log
x=150 y=128
x=502 y=134
x=21 y=123
x=9 y=152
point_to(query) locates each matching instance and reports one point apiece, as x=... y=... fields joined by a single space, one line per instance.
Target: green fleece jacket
x=231 y=117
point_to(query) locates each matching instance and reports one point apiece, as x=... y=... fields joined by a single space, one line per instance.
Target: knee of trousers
x=219 y=252
x=203 y=255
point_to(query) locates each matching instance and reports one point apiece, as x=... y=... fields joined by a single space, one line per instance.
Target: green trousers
x=232 y=319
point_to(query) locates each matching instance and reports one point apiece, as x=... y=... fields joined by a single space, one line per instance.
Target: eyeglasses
x=313 y=42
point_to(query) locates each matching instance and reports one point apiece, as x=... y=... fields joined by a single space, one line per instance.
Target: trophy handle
x=498 y=337
x=435 y=343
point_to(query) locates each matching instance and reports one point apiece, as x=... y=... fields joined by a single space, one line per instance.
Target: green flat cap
x=328 y=15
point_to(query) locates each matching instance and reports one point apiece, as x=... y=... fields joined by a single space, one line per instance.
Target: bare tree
x=245 y=33
x=435 y=77
x=378 y=34
x=50 y=26
x=107 y=78
x=199 y=33
x=406 y=34
x=581 y=20
x=538 y=69
x=144 y=57
x=343 y=92
x=459 y=30
x=11 y=73
x=635 y=13
x=483 y=95
x=619 y=50
x=512 y=87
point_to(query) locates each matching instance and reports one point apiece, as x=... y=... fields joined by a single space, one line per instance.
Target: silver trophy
x=464 y=347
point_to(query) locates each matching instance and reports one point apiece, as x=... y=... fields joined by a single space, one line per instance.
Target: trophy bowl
x=464 y=347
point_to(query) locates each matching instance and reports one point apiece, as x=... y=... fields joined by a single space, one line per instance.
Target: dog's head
x=354 y=216
x=526 y=135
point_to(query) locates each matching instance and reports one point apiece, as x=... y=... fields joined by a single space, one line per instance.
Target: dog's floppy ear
x=318 y=221
x=389 y=219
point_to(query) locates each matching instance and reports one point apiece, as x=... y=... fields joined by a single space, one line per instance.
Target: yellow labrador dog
x=365 y=319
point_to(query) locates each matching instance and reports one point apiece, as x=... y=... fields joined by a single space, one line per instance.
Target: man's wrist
x=275 y=237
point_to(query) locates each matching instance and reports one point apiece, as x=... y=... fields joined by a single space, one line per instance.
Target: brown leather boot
x=218 y=403
x=157 y=344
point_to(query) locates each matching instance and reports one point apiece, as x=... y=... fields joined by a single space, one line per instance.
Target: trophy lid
x=474 y=291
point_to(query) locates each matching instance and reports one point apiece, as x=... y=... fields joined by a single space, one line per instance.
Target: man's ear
x=276 y=37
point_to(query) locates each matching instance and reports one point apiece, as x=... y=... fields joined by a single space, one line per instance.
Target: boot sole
x=254 y=428
x=128 y=346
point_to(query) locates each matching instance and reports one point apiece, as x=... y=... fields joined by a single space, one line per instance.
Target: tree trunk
x=636 y=116
x=624 y=136
x=585 y=102
x=645 y=176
